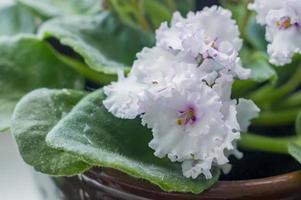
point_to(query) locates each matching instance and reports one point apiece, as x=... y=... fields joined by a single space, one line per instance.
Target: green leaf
x=52 y=8
x=16 y=19
x=298 y=124
x=294 y=150
x=185 y=6
x=100 y=139
x=255 y=34
x=156 y=12
x=34 y=116
x=27 y=63
x=102 y=41
x=261 y=70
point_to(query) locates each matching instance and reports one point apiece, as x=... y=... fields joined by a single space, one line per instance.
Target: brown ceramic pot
x=109 y=184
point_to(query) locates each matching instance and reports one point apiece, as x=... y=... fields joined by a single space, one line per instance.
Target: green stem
x=245 y=21
x=140 y=15
x=269 y=94
x=251 y=141
x=242 y=87
x=94 y=76
x=124 y=11
x=276 y=118
x=292 y=101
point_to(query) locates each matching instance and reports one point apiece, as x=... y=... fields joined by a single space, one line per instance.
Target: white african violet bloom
x=181 y=88
x=282 y=19
x=123 y=97
x=189 y=125
x=154 y=71
x=263 y=7
x=202 y=37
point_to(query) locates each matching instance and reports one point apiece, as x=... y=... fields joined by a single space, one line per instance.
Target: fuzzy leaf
x=99 y=138
x=16 y=19
x=294 y=150
x=102 y=41
x=261 y=69
x=27 y=63
x=52 y=8
x=34 y=116
x=255 y=34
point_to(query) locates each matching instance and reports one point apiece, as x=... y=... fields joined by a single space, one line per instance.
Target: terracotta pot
x=109 y=184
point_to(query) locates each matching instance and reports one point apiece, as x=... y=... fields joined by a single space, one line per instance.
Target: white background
x=16 y=181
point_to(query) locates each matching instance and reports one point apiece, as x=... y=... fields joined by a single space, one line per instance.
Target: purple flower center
x=186 y=116
x=284 y=23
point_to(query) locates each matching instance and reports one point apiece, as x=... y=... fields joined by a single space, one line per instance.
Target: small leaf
x=298 y=124
x=99 y=138
x=34 y=116
x=16 y=19
x=104 y=43
x=294 y=150
x=255 y=34
x=27 y=63
x=261 y=69
x=52 y=8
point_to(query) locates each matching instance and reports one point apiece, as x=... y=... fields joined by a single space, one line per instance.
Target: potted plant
x=113 y=102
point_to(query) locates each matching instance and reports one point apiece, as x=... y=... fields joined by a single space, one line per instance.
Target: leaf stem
x=276 y=118
x=292 y=101
x=251 y=141
x=140 y=15
x=94 y=76
x=268 y=93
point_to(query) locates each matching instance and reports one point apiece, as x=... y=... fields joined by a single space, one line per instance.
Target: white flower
x=282 y=20
x=170 y=37
x=153 y=66
x=188 y=124
x=218 y=26
x=181 y=88
x=263 y=7
x=202 y=36
x=123 y=97
x=155 y=71
x=211 y=21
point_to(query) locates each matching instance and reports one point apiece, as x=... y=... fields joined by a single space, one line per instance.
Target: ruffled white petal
x=246 y=111
x=203 y=140
x=123 y=97
x=282 y=19
x=262 y=7
x=223 y=87
x=168 y=37
x=214 y=20
x=284 y=45
x=193 y=168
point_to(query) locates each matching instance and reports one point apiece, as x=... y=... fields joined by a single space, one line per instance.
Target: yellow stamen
x=284 y=23
x=190 y=113
x=179 y=122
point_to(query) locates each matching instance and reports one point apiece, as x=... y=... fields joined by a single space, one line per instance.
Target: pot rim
x=280 y=184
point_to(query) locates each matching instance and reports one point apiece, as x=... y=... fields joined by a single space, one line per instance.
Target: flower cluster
x=282 y=19
x=181 y=88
